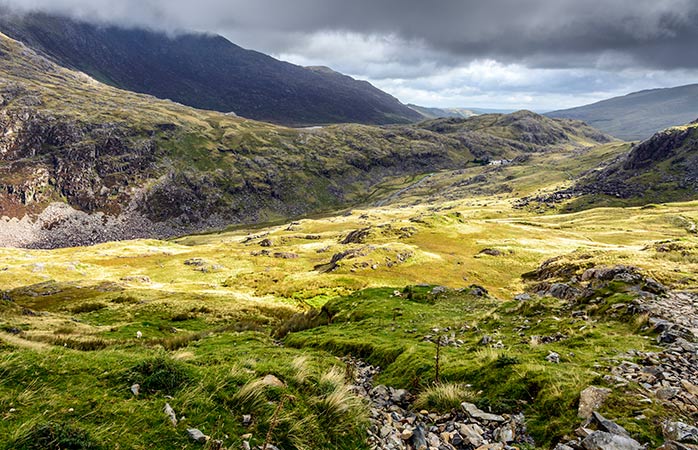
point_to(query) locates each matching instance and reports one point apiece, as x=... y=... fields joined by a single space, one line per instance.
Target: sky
x=509 y=54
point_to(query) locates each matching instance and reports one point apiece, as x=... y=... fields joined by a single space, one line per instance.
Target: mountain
x=436 y=113
x=663 y=168
x=638 y=115
x=83 y=162
x=207 y=72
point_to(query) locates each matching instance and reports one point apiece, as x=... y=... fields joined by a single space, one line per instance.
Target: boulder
x=475 y=413
x=591 y=399
x=602 y=440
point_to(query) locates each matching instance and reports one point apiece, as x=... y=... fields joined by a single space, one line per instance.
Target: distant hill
x=506 y=136
x=639 y=115
x=436 y=113
x=207 y=72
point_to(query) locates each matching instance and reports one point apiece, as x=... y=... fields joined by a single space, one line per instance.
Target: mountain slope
x=207 y=72
x=661 y=169
x=638 y=115
x=506 y=136
x=82 y=162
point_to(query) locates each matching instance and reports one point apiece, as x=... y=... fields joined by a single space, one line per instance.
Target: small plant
x=56 y=436
x=160 y=374
x=443 y=397
x=125 y=300
x=87 y=307
x=251 y=396
x=505 y=360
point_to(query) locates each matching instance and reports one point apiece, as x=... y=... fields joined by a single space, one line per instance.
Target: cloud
x=542 y=51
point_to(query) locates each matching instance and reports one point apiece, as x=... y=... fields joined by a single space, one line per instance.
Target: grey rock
x=197 y=436
x=169 y=412
x=608 y=425
x=475 y=413
x=136 y=389
x=553 y=358
x=601 y=440
x=591 y=399
x=681 y=432
x=419 y=440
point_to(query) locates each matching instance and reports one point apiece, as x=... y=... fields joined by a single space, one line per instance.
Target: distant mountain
x=207 y=72
x=639 y=115
x=436 y=113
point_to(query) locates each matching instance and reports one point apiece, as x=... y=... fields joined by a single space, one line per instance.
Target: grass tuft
x=443 y=397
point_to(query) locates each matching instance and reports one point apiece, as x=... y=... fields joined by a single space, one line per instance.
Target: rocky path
x=669 y=375
x=395 y=427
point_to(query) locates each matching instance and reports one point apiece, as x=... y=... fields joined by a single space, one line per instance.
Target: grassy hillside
x=210 y=307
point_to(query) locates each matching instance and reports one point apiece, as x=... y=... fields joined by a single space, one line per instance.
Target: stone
x=197 y=436
x=522 y=297
x=472 y=434
x=591 y=399
x=271 y=380
x=608 y=425
x=562 y=447
x=601 y=440
x=553 y=358
x=246 y=445
x=666 y=393
x=169 y=412
x=419 y=440
x=690 y=387
x=246 y=420
x=681 y=432
x=136 y=389
x=475 y=413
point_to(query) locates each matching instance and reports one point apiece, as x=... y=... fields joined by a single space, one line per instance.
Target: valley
x=204 y=247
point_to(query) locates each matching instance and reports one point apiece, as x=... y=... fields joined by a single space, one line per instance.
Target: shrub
x=161 y=374
x=56 y=436
x=87 y=307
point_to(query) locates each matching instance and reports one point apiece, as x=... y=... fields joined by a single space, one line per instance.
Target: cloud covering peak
x=539 y=54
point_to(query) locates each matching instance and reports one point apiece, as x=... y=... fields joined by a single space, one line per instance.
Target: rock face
x=394 y=426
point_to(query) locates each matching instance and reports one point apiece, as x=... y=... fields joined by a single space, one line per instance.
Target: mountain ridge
x=205 y=71
x=638 y=115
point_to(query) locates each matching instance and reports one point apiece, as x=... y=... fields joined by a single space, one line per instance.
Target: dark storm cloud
x=536 y=54
x=539 y=33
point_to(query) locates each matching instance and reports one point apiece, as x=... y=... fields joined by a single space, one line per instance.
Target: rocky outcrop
x=394 y=426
